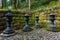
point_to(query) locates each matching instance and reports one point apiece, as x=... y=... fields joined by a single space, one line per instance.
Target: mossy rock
x=53 y=29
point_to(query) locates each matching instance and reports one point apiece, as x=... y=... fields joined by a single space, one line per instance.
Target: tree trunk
x=29 y=4
x=0 y=3
x=14 y=2
x=19 y=2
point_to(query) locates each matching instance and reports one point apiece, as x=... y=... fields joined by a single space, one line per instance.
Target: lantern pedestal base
x=54 y=29
x=7 y=35
x=26 y=30
x=38 y=26
x=8 y=32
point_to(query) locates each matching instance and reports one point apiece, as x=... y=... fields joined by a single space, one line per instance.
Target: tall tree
x=19 y=2
x=29 y=4
x=9 y=3
x=14 y=3
x=3 y=3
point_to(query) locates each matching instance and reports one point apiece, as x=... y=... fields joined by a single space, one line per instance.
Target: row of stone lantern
x=9 y=28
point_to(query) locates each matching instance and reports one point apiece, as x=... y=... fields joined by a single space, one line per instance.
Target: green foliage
x=23 y=5
x=44 y=25
x=40 y=3
x=35 y=4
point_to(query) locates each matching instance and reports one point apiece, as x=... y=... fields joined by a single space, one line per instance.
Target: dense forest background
x=30 y=4
x=36 y=4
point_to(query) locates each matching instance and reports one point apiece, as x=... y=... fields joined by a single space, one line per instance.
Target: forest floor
x=36 y=34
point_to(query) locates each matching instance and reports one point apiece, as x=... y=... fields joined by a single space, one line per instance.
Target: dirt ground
x=36 y=34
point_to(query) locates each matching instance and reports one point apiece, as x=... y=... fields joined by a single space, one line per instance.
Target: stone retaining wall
x=17 y=20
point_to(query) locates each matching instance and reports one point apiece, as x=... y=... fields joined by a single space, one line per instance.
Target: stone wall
x=18 y=18
x=44 y=17
x=17 y=21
